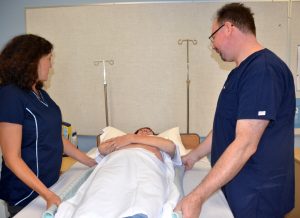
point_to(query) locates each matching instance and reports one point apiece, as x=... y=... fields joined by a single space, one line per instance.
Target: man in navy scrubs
x=252 y=140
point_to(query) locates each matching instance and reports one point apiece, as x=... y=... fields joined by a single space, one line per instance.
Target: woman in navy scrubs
x=30 y=125
x=252 y=140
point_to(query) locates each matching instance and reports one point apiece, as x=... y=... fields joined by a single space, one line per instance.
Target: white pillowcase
x=174 y=135
x=110 y=132
x=171 y=134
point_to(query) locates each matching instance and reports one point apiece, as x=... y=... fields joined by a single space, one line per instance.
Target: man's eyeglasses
x=211 y=37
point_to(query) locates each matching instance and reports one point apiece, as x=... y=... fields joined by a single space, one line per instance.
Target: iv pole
x=96 y=63
x=194 y=42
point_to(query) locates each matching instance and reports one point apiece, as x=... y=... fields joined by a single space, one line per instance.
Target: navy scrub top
x=262 y=87
x=42 y=145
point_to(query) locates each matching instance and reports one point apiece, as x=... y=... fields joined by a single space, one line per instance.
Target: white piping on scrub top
x=36 y=154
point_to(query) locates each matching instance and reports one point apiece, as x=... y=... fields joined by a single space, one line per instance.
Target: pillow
x=110 y=132
x=171 y=134
x=174 y=135
x=107 y=133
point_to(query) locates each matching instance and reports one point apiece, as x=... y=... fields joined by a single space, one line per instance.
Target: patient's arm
x=117 y=143
x=106 y=147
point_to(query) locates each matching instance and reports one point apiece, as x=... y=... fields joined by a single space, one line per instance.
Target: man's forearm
x=248 y=134
x=229 y=164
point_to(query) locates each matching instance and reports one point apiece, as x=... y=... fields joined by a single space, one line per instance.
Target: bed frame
x=190 y=140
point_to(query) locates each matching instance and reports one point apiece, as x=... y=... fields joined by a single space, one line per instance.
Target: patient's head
x=144 y=131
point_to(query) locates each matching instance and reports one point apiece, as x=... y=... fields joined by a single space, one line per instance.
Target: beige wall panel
x=147 y=83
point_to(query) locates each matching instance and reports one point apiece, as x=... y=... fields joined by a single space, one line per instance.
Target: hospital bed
x=216 y=206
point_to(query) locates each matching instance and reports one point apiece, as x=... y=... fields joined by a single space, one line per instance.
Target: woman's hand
x=51 y=199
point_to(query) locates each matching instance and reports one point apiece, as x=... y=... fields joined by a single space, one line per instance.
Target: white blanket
x=125 y=183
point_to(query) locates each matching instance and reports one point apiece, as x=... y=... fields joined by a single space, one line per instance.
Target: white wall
x=147 y=83
x=12 y=12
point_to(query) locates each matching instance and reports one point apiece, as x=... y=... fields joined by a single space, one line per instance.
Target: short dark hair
x=19 y=60
x=239 y=15
x=136 y=132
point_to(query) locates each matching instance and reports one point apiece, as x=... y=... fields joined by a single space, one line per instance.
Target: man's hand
x=189 y=160
x=189 y=206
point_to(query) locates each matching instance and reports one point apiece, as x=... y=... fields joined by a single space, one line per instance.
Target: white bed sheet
x=126 y=182
x=216 y=206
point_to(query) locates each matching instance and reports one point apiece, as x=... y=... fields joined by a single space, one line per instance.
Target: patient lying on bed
x=134 y=177
x=140 y=139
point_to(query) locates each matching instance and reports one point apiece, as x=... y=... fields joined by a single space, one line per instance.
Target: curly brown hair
x=19 y=60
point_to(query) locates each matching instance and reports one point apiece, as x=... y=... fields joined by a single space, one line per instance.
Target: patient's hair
x=239 y=15
x=148 y=128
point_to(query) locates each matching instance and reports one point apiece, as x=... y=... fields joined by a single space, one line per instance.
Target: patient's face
x=145 y=131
